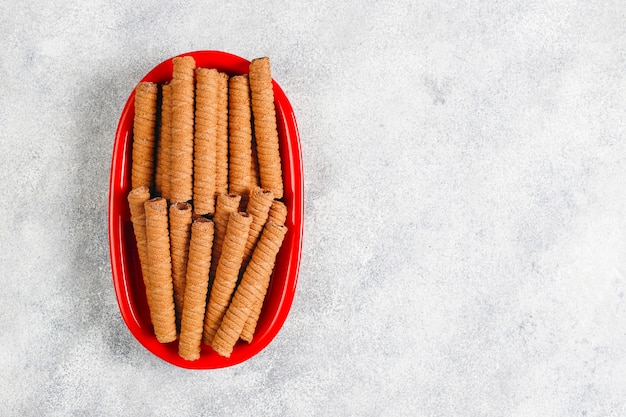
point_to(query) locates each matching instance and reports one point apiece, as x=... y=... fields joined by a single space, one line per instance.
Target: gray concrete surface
x=465 y=243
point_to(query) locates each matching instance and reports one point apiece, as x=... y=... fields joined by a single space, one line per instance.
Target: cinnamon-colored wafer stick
x=205 y=143
x=258 y=208
x=240 y=137
x=227 y=273
x=136 y=201
x=196 y=287
x=266 y=133
x=180 y=232
x=160 y=291
x=181 y=151
x=226 y=204
x=144 y=123
x=162 y=174
x=278 y=212
x=250 y=292
x=221 y=168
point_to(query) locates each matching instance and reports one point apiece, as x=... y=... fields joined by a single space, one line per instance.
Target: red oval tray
x=127 y=279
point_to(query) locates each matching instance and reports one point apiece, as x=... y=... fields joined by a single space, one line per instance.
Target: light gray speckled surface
x=465 y=173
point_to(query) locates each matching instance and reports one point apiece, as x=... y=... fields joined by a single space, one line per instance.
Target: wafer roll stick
x=248 y=299
x=160 y=292
x=144 y=123
x=258 y=208
x=227 y=273
x=181 y=151
x=266 y=134
x=162 y=175
x=240 y=137
x=221 y=168
x=226 y=204
x=196 y=287
x=180 y=232
x=204 y=171
x=136 y=201
x=278 y=212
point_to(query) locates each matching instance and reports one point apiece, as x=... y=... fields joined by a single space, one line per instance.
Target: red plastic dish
x=127 y=279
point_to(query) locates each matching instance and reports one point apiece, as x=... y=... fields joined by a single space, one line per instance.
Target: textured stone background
x=465 y=244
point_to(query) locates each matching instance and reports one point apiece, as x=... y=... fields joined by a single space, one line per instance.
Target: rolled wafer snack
x=136 y=201
x=258 y=207
x=221 y=151
x=240 y=137
x=181 y=151
x=250 y=292
x=144 y=123
x=162 y=174
x=278 y=212
x=180 y=233
x=266 y=134
x=160 y=292
x=196 y=289
x=204 y=159
x=226 y=204
x=227 y=273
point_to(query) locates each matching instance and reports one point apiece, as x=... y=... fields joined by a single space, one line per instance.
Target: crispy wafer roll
x=240 y=137
x=254 y=166
x=221 y=152
x=196 y=289
x=136 y=201
x=258 y=207
x=144 y=124
x=160 y=292
x=226 y=204
x=180 y=232
x=162 y=174
x=266 y=134
x=227 y=272
x=278 y=212
x=204 y=171
x=244 y=310
x=181 y=151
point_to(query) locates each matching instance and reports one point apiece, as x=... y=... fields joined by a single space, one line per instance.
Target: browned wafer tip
x=258 y=207
x=240 y=136
x=265 y=131
x=225 y=205
x=258 y=273
x=205 y=143
x=227 y=272
x=181 y=151
x=180 y=232
x=162 y=174
x=278 y=212
x=144 y=124
x=202 y=231
x=221 y=168
x=136 y=200
x=160 y=292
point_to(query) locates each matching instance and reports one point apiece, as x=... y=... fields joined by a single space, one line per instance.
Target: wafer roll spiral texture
x=266 y=134
x=248 y=299
x=221 y=169
x=205 y=144
x=240 y=137
x=160 y=292
x=162 y=174
x=181 y=151
x=226 y=204
x=136 y=201
x=180 y=233
x=144 y=124
x=196 y=287
x=258 y=207
x=227 y=272
x=277 y=213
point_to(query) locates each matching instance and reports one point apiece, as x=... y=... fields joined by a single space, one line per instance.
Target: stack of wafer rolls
x=205 y=202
